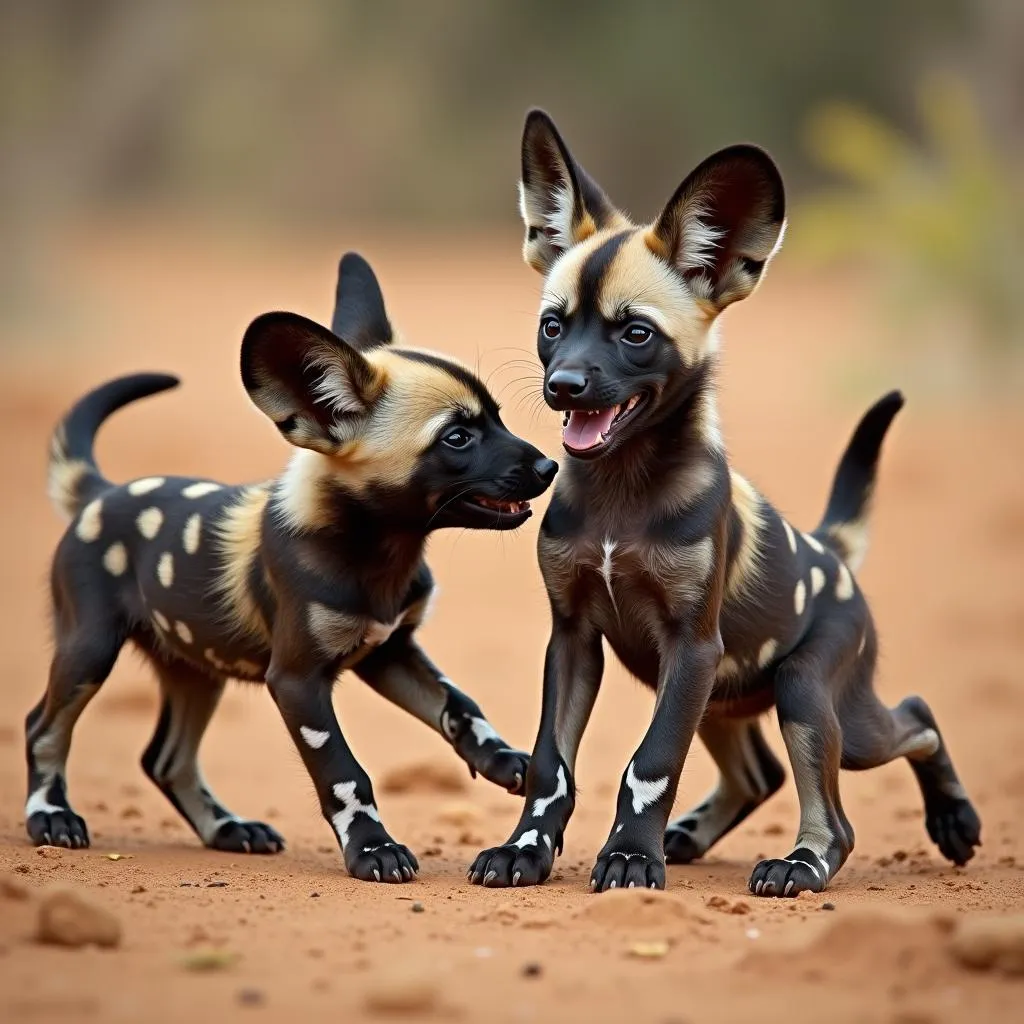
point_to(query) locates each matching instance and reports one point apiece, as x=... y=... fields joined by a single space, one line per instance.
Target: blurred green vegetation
x=940 y=219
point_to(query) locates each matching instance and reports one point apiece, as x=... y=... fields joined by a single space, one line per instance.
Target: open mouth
x=512 y=508
x=587 y=430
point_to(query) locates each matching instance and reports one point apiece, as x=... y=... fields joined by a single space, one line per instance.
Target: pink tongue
x=584 y=429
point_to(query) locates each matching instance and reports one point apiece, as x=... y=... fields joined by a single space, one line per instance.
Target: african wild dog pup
x=290 y=581
x=700 y=587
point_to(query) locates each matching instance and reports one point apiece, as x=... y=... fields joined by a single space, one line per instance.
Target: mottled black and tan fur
x=288 y=582
x=699 y=586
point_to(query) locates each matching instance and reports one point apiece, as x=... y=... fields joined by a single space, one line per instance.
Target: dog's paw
x=787 y=878
x=627 y=869
x=680 y=847
x=58 y=828
x=511 y=865
x=381 y=862
x=955 y=828
x=246 y=837
x=506 y=768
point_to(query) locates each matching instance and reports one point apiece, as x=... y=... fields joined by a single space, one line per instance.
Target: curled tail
x=844 y=527
x=74 y=478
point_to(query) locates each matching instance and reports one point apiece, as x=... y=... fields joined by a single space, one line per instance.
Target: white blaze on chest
x=608 y=547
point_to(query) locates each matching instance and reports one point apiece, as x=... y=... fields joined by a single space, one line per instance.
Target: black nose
x=566 y=383
x=545 y=470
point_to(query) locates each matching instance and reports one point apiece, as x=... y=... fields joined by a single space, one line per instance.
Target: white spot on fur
x=191 y=534
x=542 y=803
x=165 y=569
x=314 y=738
x=767 y=652
x=483 y=731
x=547 y=840
x=200 y=489
x=800 y=597
x=790 y=536
x=645 y=792
x=608 y=547
x=145 y=485
x=345 y=793
x=115 y=559
x=727 y=667
x=844 y=583
x=90 y=522
x=162 y=621
x=149 y=522
x=863 y=643
x=813 y=542
x=817 y=580
x=184 y=633
x=527 y=839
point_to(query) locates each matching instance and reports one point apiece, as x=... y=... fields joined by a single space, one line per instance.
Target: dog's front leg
x=634 y=853
x=303 y=696
x=572 y=676
x=400 y=671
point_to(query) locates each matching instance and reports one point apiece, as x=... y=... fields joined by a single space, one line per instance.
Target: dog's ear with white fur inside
x=559 y=203
x=723 y=225
x=317 y=389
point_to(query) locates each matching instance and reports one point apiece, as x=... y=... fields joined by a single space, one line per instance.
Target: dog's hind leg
x=88 y=640
x=189 y=699
x=874 y=735
x=749 y=774
x=811 y=730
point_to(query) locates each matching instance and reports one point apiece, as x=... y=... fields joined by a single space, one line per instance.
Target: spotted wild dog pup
x=290 y=581
x=700 y=587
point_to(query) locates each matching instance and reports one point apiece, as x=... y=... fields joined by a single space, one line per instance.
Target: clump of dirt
x=642 y=915
x=987 y=943
x=726 y=906
x=459 y=813
x=67 y=918
x=403 y=991
x=425 y=777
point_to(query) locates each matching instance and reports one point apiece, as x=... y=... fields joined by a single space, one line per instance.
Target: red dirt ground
x=943 y=575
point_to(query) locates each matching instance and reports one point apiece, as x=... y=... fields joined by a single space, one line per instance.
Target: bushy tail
x=74 y=478
x=844 y=527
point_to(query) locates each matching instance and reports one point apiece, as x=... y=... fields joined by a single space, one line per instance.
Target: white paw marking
x=800 y=597
x=483 y=731
x=184 y=633
x=165 y=569
x=767 y=652
x=645 y=792
x=200 y=489
x=191 y=534
x=844 y=584
x=542 y=803
x=149 y=521
x=145 y=485
x=90 y=522
x=814 y=543
x=314 y=738
x=817 y=580
x=115 y=559
x=345 y=793
x=527 y=839
x=790 y=536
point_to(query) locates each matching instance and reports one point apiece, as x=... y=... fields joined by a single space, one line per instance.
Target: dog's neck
x=635 y=474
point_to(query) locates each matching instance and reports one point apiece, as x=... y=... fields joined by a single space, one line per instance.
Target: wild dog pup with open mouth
x=291 y=581
x=700 y=587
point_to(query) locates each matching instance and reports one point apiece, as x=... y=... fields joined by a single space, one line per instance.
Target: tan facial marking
x=165 y=569
x=844 y=583
x=199 y=490
x=817 y=580
x=145 y=485
x=149 y=521
x=115 y=559
x=800 y=597
x=90 y=522
x=191 y=535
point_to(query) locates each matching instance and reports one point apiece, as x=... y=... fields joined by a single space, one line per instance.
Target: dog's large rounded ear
x=317 y=389
x=723 y=225
x=359 y=315
x=558 y=201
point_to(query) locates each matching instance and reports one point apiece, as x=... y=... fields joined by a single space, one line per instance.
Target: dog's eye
x=637 y=334
x=458 y=438
x=551 y=328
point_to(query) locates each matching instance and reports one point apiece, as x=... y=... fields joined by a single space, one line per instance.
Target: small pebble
x=532 y=970
x=251 y=997
x=314 y=895
x=216 y=885
x=828 y=906
x=417 y=907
